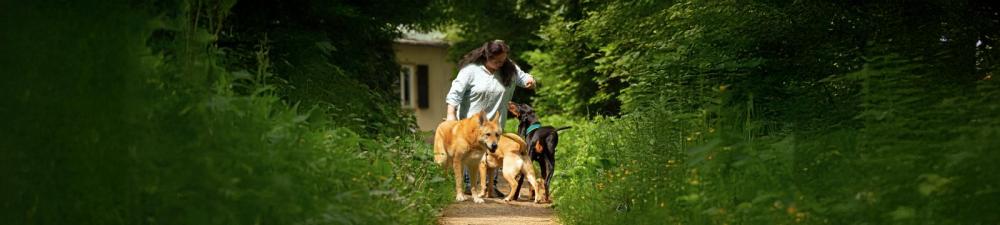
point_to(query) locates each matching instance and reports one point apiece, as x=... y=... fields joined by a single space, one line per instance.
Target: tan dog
x=465 y=143
x=512 y=152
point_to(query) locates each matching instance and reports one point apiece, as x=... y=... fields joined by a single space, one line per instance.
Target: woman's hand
x=530 y=83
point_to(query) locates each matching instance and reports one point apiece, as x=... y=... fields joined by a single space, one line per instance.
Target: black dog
x=541 y=140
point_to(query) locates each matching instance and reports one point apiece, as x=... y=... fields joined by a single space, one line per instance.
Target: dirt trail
x=495 y=211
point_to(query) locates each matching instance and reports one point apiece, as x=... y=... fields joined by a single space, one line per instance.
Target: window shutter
x=422 y=98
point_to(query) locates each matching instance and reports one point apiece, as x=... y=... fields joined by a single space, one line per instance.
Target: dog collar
x=533 y=126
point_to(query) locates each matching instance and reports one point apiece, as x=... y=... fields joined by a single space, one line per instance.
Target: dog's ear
x=512 y=107
x=496 y=118
x=481 y=117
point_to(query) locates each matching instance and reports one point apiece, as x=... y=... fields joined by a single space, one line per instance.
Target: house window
x=412 y=86
x=405 y=82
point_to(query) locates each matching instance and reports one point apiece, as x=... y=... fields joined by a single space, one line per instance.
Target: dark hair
x=488 y=50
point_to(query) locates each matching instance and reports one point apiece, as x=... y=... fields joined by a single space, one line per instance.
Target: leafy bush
x=774 y=112
x=334 y=54
x=122 y=114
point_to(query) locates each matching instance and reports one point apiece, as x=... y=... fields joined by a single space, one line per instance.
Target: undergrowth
x=122 y=114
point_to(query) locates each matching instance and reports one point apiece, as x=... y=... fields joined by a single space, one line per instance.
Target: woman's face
x=494 y=63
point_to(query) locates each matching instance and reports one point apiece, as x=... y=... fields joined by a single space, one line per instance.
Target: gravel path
x=495 y=211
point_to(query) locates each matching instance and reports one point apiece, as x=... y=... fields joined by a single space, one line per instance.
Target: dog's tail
x=441 y=141
x=563 y=128
x=515 y=138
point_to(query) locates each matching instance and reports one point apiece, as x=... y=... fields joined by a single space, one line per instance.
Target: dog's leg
x=538 y=187
x=520 y=178
x=477 y=179
x=512 y=166
x=491 y=184
x=484 y=166
x=543 y=164
x=517 y=190
x=456 y=162
x=552 y=143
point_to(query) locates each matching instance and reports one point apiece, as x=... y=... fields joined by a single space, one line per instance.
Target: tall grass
x=120 y=113
x=918 y=156
x=774 y=112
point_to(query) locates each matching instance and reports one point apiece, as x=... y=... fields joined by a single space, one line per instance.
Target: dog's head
x=514 y=109
x=489 y=131
x=521 y=111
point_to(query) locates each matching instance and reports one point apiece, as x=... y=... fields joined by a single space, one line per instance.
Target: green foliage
x=567 y=66
x=325 y=51
x=469 y=24
x=124 y=114
x=775 y=112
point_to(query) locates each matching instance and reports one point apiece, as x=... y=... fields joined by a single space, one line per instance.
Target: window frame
x=407 y=85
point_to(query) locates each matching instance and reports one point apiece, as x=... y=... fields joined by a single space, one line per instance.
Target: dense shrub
x=334 y=54
x=122 y=113
x=776 y=112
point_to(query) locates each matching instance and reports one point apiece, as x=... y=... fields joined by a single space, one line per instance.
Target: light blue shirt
x=475 y=89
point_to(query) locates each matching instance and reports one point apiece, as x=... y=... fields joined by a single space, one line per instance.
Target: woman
x=485 y=83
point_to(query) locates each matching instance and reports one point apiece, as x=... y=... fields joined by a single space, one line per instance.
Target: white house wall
x=439 y=75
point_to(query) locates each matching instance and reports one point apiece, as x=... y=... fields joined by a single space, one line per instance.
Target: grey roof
x=432 y=38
